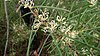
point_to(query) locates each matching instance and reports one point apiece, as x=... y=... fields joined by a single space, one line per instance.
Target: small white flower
x=92 y=2
x=31 y=5
x=62 y=28
x=40 y=16
x=43 y=16
x=68 y=29
x=63 y=19
x=37 y=25
x=26 y=5
x=52 y=22
x=64 y=23
x=53 y=25
x=58 y=18
x=45 y=29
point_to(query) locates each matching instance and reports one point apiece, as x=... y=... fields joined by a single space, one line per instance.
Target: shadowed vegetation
x=75 y=30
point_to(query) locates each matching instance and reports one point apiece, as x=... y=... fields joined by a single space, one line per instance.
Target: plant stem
x=7 y=28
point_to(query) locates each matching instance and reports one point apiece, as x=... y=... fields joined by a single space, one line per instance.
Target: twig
x=7 y=27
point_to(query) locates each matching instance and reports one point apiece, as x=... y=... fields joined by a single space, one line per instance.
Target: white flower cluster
x=43 y=22
x=59 y=24
x=27 y=3
x=65 y=29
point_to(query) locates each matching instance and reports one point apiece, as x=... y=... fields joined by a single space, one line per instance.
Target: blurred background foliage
x=83 y=17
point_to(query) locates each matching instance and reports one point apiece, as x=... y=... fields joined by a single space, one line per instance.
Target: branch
x=6 y=13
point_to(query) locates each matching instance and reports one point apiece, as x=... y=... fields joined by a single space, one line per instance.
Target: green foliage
x=78 y=34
